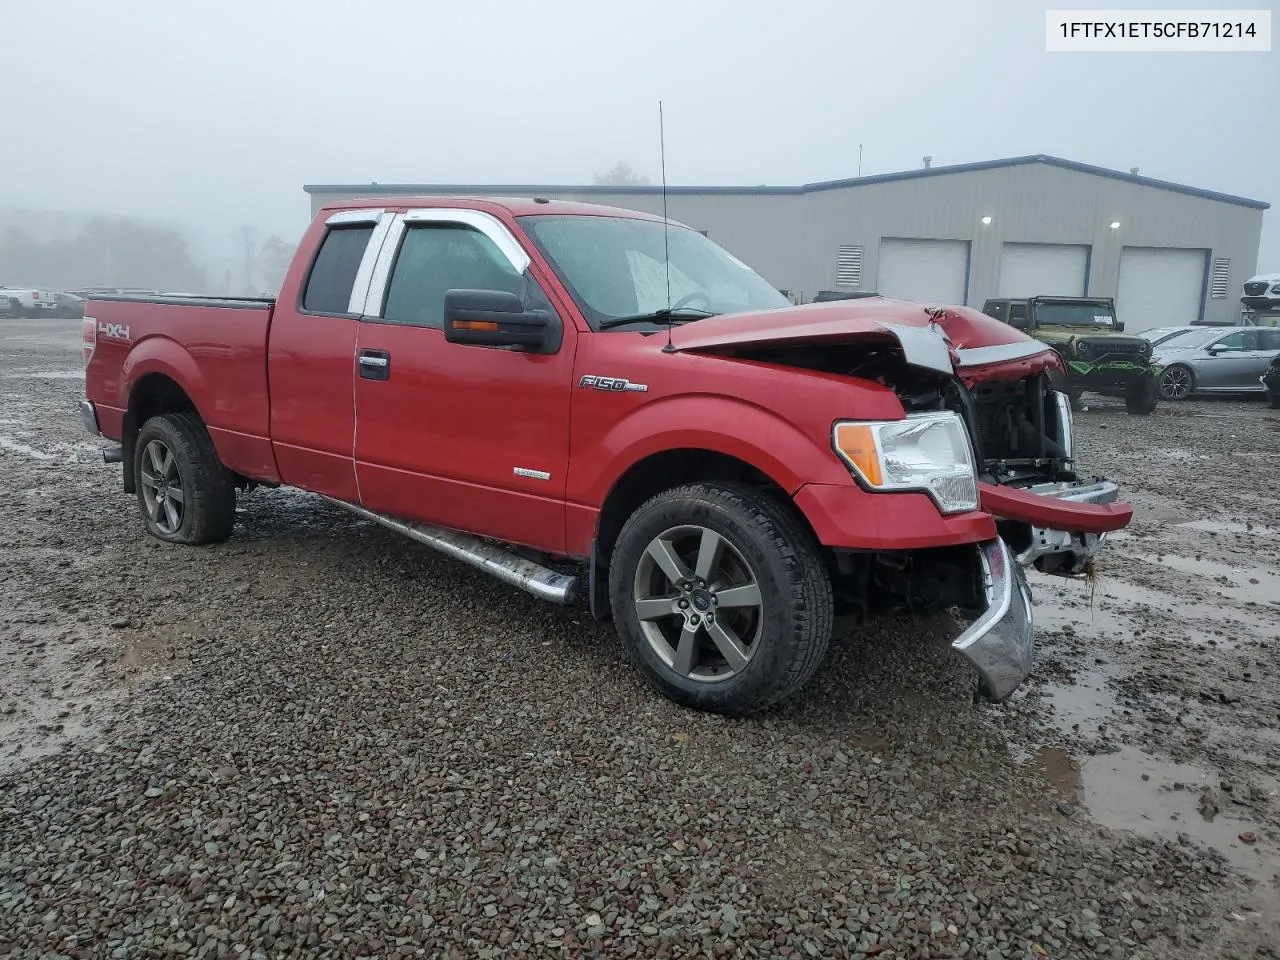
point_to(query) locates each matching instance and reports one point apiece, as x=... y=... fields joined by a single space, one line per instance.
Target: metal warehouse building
x=1169 y=254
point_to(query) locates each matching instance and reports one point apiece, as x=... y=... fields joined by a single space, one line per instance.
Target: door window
x=1236 y=342
x=333 y=272
x=435 y=258
x=1268 y=338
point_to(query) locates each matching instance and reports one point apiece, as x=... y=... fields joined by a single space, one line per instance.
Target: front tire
x=720 y=598
x=1177 y=383
x=1142 y=396
x=184 y=492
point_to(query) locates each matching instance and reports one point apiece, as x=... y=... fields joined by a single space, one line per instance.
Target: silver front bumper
x=1001 y=642
x=1064 y=552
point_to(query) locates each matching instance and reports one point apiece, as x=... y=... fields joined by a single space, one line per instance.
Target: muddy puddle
x=1112 y=605
x=1239 y=527
x=63 y=682
x=1130 y=789
x=1137 y=667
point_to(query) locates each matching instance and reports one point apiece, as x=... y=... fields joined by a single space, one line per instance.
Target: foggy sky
x=218 y=112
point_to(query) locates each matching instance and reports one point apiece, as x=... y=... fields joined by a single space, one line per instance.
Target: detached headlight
x=929 y=452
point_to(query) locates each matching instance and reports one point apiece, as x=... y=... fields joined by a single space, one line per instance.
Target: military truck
x=1085 y=331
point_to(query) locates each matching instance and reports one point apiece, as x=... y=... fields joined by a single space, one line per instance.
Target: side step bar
x=543 y=583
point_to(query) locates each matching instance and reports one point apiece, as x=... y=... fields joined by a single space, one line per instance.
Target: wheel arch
x=1191 y=374
x=663 y=470
x=153 y=394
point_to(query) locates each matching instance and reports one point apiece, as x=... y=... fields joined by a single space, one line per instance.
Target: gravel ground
x=321 y=740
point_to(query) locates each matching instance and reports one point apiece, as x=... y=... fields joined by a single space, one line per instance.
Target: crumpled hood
x=971 y=337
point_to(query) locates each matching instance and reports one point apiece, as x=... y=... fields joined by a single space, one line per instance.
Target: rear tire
x=732 y=552
x=1142 y=396
x=184 y=492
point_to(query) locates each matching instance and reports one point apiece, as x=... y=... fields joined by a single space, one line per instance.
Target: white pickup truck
x=27 y=302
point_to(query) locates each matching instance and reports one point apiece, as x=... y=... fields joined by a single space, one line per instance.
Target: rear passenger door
x=468 y=437
x=311 y=356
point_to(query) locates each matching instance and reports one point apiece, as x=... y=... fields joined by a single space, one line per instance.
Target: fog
x=211 y=116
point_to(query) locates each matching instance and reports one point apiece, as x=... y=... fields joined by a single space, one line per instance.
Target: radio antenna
x=666 y=229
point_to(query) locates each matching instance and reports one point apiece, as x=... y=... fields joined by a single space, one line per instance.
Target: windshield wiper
x=658 y=316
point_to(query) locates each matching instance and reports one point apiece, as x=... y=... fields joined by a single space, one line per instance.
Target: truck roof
x=515 y=206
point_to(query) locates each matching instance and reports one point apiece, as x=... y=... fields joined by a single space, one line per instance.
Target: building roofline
x=389 y=189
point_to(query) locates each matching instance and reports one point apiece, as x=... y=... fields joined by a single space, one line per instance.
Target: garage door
x=933 y=271
x=1043 y=269
x=1159 y=287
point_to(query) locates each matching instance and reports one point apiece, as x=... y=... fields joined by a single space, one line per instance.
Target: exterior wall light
x=986 y=221
x=1115 y=224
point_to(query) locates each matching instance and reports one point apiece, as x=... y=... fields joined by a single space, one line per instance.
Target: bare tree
x=247 y=240
x=106 y=252
x=275 y=256
x=621 y=175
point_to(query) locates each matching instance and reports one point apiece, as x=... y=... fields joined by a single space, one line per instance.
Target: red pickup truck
x=523 y=383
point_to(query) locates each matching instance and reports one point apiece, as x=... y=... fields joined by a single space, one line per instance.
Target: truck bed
x=216 y=346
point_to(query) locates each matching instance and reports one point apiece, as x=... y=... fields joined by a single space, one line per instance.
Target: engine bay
x=1020 y=429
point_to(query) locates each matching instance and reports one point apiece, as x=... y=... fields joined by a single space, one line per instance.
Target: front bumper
x=1110 y=375
x=1068 y=524
x=1061 y=551
x=1001 y=642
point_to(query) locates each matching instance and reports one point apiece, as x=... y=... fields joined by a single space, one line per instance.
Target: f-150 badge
x=613 y=384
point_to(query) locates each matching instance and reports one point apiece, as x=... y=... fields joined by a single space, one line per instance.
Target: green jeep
x=1084 y=332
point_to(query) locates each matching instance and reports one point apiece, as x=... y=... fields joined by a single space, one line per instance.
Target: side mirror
x=496 y=318
x=1216 y=348
x=1119 y=326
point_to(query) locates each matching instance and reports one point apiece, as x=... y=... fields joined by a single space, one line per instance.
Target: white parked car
x=1262 y=292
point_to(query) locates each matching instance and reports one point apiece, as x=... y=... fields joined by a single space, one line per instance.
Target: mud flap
x=1001 y=642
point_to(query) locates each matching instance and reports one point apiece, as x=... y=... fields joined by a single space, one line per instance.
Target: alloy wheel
x=1175 y=383
x=161 y=487
x=698 y=603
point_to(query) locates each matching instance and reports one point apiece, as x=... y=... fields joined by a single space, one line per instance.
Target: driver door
x=468 y=437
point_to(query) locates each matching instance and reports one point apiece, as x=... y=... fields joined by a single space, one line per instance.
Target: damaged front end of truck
x=1036 y=510
x=1049 y=517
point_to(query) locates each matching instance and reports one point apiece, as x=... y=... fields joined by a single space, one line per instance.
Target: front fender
x=734 y=427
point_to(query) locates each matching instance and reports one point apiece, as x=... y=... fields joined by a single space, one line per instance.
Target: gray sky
x=218 y=112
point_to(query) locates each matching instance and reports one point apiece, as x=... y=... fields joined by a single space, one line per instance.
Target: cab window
x=435 y=258
x=333 y=272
